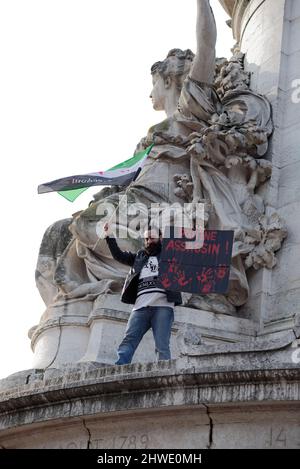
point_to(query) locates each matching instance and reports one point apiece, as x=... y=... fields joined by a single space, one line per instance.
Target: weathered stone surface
x=190 y=403
x=269 y=37
x=267 y=430
x=98 y=336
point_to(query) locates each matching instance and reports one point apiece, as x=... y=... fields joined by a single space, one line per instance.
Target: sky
x=74 y=98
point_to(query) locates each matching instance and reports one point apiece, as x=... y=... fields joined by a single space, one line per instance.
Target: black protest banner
x=201 y=270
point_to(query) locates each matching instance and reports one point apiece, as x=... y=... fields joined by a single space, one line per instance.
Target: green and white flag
x=120 y=175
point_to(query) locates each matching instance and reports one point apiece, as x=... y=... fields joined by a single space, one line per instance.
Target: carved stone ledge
x=89 y=389
x=192 y=402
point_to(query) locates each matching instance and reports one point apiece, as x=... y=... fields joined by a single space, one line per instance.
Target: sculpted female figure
x=195 y=140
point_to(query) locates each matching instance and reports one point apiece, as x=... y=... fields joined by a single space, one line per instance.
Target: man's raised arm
x=125 y=257
x=204 y=63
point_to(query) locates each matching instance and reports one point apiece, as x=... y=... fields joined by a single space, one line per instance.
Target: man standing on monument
x=153 y=306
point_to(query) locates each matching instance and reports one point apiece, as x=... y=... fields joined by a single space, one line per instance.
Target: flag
x=120 y=175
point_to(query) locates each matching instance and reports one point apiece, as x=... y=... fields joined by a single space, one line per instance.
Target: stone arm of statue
x=203 y=67
x=125 y=257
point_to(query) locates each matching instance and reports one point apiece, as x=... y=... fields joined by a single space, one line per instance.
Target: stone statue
x=208 y=149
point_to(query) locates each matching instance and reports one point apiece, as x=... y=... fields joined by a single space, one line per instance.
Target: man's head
x=152 y=240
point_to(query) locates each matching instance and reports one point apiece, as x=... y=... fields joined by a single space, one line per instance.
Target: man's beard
x=153 y=249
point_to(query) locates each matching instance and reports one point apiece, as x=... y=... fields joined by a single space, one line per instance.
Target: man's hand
x=106 y=230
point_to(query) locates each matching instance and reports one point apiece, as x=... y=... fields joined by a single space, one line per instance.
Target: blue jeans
x=160 y=319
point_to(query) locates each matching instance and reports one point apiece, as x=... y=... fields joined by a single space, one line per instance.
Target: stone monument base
x=75 y=335
x=226 y=398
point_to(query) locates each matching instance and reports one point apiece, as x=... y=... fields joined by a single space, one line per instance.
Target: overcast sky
x=74 y=98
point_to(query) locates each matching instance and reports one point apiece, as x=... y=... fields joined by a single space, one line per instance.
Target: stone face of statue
x=158 y=93
x=164 y=94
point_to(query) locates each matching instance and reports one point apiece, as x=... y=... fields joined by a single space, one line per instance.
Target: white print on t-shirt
x=149 y=291
x=150 y=269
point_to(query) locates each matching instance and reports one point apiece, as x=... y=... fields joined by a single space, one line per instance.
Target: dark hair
x=177 y=66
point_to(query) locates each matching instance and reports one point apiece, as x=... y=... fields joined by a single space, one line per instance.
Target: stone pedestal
x=98 y=335
x=228 y=398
